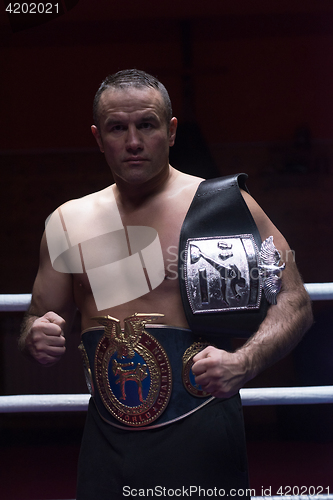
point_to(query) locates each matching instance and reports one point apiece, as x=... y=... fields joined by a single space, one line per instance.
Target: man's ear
x=172 y=130
x=97 y=135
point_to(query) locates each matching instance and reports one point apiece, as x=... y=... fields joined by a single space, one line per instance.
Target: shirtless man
x=134 y=128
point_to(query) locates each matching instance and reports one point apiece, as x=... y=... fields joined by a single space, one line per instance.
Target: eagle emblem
x=125 y=341
x=270 y=270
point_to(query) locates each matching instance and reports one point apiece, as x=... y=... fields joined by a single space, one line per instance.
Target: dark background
x=252 y=86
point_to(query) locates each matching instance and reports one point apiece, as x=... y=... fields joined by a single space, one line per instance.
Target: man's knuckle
x=39 y=348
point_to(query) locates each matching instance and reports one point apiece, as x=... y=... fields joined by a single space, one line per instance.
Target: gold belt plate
x=132 y=371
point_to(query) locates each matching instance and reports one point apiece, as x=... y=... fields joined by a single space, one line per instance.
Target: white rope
x=320 y=291
x=44 y=403
x=287 y=395
x=21 y=301
x=250 y=397
x=15 y=302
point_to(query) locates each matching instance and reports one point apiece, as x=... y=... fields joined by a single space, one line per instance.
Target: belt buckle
x=188 y=377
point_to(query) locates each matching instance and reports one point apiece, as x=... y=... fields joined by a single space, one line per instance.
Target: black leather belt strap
x=175 y=342
x=218 y=209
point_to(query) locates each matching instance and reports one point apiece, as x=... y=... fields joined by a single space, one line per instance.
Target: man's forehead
x=131 y=99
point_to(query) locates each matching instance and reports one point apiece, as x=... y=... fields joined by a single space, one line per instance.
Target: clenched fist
x=46 y=341
x=219 y=372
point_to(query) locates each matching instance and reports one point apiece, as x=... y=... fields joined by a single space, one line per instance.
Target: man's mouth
x=135 y=159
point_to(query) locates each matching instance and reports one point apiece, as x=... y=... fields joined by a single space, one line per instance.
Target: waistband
x=147 y=384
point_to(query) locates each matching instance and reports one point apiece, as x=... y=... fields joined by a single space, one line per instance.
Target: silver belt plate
x=222 y=273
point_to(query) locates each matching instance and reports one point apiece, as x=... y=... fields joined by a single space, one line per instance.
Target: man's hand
x=46 y=341
x=219 y=372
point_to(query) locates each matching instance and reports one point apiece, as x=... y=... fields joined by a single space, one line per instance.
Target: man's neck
x=131 y=196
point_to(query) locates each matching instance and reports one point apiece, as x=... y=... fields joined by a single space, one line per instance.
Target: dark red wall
x=257 y=72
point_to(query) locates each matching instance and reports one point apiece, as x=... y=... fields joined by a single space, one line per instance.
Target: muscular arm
x=222 y=373
x=50 y=314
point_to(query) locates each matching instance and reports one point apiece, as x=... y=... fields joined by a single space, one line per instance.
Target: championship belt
x=227 y=276
x=228 y=273
x=140 y=375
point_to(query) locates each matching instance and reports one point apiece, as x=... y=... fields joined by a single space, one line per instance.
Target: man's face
x=133 y=134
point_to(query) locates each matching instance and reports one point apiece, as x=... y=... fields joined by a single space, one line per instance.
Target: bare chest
x=165 y=222
x=148 y=244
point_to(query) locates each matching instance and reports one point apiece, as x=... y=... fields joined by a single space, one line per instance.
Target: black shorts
x=205 y=450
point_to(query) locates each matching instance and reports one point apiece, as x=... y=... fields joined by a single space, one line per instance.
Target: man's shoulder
x=87 y=214
x=89 y=202
x=189 y=178
x=186 y=183
x=83 y=219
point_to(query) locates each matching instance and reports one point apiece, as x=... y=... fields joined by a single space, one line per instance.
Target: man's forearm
x=26 y=325
x=284 y=326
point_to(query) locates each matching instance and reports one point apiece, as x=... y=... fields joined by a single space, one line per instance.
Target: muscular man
x=134 y=128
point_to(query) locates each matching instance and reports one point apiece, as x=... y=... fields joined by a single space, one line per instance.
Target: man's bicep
x=291 y=279
x=52 y=290
x=266 y=227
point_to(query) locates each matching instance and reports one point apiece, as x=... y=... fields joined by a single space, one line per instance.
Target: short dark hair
x=132 y=78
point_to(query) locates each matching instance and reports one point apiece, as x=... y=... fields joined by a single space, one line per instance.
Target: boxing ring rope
x=21 y=301
x=14 y=302
x=249 y=396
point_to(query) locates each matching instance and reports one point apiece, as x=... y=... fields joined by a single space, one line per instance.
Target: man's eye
x=146 y=126
x=117 y=128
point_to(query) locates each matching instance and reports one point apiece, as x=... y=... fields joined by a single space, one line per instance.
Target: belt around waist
x=145 y=384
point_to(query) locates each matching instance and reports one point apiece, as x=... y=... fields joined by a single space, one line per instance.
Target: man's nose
x=133 y=141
